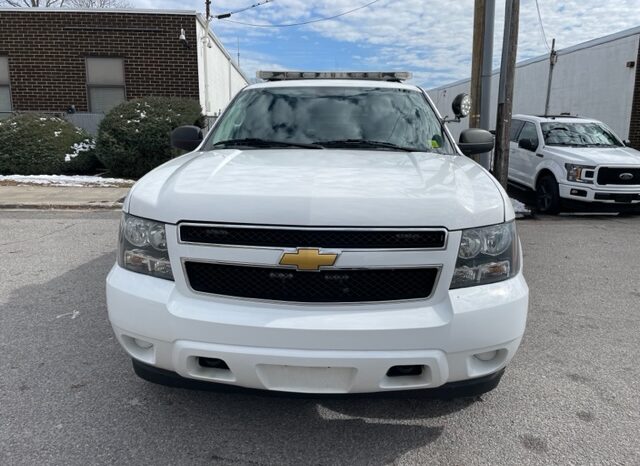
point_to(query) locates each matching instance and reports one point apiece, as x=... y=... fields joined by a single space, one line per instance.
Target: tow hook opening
x=402 y=371
x=213 y=363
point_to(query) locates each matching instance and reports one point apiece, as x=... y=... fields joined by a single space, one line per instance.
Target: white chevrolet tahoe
x=326 y=236
x=574 y=163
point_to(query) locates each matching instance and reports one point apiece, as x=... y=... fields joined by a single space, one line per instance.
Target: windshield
x=337 y=117
x=578 y=134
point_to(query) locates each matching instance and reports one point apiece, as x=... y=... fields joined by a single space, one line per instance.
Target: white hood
x=306 y=187
x=609 y=156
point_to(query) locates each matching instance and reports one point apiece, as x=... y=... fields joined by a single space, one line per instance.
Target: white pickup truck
x=326 y=236
x=574 y=163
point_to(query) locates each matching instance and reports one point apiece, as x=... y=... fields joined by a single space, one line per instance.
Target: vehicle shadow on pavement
x=66 y=377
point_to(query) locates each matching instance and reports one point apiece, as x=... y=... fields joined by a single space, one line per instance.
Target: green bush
x=33 y=144
x=133 y=138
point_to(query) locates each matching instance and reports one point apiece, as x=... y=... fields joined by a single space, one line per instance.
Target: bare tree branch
x=32 y=3
x=99 y=3
x=70 y=3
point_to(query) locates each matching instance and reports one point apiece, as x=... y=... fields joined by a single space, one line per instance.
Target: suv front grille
x=609 y=175
x=319 y=238
x=324 y=286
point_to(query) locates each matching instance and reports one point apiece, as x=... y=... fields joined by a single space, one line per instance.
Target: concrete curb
x=61 y=206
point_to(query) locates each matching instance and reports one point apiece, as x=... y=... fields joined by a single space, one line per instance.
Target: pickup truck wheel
x=547 y=195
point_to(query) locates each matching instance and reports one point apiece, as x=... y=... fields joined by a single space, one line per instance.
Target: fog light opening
x=487 y=356
x=142 y=344
x=401 y=371
x=213 y=363
x=578 y=192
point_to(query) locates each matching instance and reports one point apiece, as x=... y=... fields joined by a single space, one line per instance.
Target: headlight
x=487 y=255
x=143 y=247
x=580 y=173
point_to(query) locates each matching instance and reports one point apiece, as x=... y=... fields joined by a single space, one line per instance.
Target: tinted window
x=314 y=115
x=529 y=132
x=516 y=126
x=578 y=134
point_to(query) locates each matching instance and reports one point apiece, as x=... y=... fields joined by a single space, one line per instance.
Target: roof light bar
x=367 y=75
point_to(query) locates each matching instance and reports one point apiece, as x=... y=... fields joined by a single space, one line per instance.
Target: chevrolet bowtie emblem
x=308 y=259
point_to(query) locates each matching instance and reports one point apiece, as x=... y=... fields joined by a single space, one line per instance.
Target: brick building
x=52 y=59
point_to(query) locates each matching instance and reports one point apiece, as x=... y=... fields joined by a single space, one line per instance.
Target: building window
x=105 y=83
x=5 y=90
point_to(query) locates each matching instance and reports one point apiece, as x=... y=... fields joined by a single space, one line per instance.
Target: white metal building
x=220 y=77
x=597 y=79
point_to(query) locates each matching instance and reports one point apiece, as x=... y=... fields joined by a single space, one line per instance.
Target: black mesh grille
x=607 y=175
x=325 y=286
x=342 y=239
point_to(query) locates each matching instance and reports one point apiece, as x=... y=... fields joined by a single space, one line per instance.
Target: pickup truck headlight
x=580 y=173
x=487 y=255
x=143 y=247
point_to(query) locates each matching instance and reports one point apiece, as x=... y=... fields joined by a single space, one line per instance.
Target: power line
x=226 y=15
x=304 y=22
x=544 y=35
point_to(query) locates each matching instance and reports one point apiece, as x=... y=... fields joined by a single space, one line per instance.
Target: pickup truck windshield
x=330 y=117
x=578 y=134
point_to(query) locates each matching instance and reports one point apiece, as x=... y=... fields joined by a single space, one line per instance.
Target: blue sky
x=431 y=38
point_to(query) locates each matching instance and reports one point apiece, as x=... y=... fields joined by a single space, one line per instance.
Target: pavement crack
x=39 y=237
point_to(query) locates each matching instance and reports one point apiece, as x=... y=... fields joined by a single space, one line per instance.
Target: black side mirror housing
x=475 y=141
x=186 y=137
x=527 y=144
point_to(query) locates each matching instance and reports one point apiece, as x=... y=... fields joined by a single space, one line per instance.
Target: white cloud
x=432 y=38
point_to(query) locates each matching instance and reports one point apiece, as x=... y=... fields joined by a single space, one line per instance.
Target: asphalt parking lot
x=68 y=394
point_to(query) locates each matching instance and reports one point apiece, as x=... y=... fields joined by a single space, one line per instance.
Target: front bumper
x=592 y=197
x=317 y=349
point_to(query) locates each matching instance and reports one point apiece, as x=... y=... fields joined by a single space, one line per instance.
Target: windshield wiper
x=263 y=143
x=366 y=143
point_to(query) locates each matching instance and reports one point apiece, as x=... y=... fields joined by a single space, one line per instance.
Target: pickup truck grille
x=319 y=238
x=324 y=286
x=609 y=175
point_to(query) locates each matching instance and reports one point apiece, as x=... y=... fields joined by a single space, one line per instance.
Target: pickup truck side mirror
x=186 y=137
x=475 y=141
x=527 y=144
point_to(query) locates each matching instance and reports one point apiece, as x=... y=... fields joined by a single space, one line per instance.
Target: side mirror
x=627 y=143
x=186 y=137
x=527 y=144
x=461 y=106
x=475 y=141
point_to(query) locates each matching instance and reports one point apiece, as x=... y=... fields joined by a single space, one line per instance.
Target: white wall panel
x=219 y=78
x=590 y=80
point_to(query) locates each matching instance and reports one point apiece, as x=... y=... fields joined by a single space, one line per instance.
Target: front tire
x=548 y=195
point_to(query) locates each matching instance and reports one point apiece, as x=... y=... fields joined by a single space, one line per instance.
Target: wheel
x=547 y=195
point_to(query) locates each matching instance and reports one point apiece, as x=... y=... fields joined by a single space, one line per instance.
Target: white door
x=515 y=160
x=528 y=143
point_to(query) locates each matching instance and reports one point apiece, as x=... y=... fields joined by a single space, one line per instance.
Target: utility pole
x=207 y=7
x=476 y=63
x=553 y=59
x=505 y=94
x=481 y=64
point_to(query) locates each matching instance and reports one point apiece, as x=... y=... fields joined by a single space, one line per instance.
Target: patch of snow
x=520 y=209
x=57 y=133
x=143 y=114
x=78 y=148
x=66 y=180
